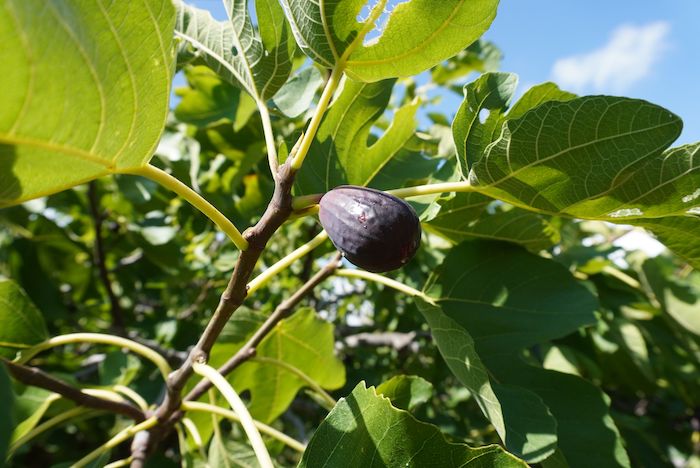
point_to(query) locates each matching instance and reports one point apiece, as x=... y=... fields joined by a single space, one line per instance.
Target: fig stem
x=192 y=197
x=368 y=276
x=323 y=102
x=305 y=201
x=269 y=139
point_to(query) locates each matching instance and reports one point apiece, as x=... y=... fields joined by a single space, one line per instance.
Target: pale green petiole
x=99 y=338
x=239 y=408
x=195 y=199
x=264 y=277
x=306 y=201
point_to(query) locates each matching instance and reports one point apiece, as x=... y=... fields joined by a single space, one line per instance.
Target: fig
x=375 y=231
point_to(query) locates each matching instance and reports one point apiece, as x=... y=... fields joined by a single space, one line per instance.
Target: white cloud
x=626 y=59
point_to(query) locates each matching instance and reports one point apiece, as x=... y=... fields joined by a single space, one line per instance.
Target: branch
x=100 y=256
x=38 y=378
x=278 y=210
x=396 y=340
x=282 y=311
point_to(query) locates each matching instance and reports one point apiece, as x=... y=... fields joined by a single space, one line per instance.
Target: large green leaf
x=463 y=217
x=87 y=87
x=592 y=157
x=303 y=342
x=259 y=62
x=507 y=299
x=7 y=420
x=420 y=34
x=586 y=434
x=364 y=429
x=22 y=324
x=340 y=153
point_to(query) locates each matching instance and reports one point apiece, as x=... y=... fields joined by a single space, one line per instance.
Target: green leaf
x=530 y=427
x=678 y=233
x=418 y=35
x=549 y=139
x=481 y=56
x=258 y=62
x=323 y=29
x=540 y=159
x=118 y=368
x=226 y=453
x=31 y=405
x=364 y=429
x=296 y=95
x=491 y=92
x=406 y=391
x=586 y=434
x=208 y=99
x=90 y=86
x=304 y=342
x=507 y=300
x=22 y=323
x=457 y=349
x=463 y=217
x=340 y=153
x=679 y=299
x=7 y=420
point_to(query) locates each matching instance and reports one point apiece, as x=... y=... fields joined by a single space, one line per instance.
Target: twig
x=38 y=378
x=100 y=258
x=282 y=311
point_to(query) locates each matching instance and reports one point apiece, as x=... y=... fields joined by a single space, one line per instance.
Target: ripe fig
x=376 y=231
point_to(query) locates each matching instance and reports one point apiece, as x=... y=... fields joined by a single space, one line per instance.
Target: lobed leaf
x=341 y=153
x=418 y=35
x=258 y=62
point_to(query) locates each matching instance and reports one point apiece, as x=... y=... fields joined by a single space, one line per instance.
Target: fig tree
x=374 y=230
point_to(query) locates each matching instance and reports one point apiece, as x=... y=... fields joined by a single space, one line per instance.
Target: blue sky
x=641 y=49
x=635 y=48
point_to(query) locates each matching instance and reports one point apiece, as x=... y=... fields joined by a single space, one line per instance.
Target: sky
x=637 y=48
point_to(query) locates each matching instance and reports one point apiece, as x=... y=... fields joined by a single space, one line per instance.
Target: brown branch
x=99 y=258
x=278 y=210
x=38 y=378
x=282 y=311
